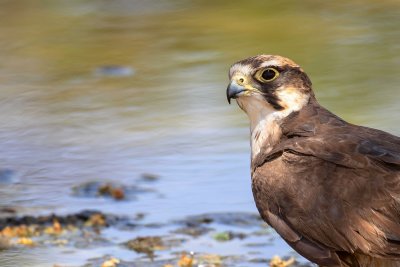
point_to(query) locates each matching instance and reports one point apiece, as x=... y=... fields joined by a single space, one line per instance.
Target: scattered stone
x=112 y=262
x=96 y=220
x=228 y=235
x=117 y=193
x=276 y=261
x=139 y=216
x=150 y=177
x=80 y=230
x=107 y=189
x=193 y=231
x=198 y=260
x=149 y=244
x=20 y=231
x=81 y=219
x=55 y=229
x=224 y=236
x=185 y=260
x=25 y=241
x=146 y=245
x=240 y=219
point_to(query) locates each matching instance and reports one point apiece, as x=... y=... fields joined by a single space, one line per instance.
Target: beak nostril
x=241 y=81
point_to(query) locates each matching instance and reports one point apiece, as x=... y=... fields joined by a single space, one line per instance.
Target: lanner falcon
x=331 y=189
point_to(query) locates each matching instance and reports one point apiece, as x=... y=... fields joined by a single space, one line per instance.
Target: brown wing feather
x=334 y=185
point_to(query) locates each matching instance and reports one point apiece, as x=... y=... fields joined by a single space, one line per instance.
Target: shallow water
x=109 y=90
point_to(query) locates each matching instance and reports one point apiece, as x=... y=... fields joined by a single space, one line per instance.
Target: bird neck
x=265 y=133
x=265 y=123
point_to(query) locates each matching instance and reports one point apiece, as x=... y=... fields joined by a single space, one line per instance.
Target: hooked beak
x=233 y=91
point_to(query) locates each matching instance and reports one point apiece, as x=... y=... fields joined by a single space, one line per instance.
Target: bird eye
x=268 y=75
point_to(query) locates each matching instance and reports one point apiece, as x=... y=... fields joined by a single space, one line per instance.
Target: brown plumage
x=331 y=189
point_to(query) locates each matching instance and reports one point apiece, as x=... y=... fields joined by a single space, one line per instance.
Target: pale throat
x=265 y=121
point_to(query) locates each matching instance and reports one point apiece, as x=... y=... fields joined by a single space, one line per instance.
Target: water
x=109 y=90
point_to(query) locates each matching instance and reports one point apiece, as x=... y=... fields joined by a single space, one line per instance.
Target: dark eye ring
x=268 y=75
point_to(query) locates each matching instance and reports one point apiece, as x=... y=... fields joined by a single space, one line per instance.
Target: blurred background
x=114 y=90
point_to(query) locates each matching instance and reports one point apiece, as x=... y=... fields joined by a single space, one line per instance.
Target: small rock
x=194 y=231
x=113 y=262
x=228 y=235
x=26 y=242
x=108 y=189
x=146 y=244
x=276 y=261
x=150 y=177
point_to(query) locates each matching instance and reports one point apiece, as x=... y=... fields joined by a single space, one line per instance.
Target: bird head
x=268 y=83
